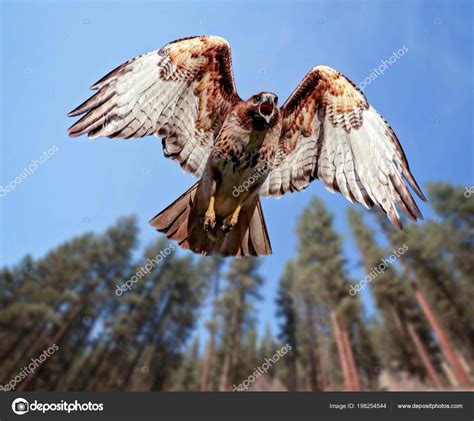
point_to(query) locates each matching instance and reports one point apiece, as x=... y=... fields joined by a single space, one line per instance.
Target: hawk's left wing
x=331 y=132
x=181 y=92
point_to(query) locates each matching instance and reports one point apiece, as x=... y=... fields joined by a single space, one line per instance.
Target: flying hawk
x=240 y=149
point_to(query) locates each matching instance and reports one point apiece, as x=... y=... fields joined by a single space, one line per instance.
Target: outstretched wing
x=331 y=132
x=181 y=93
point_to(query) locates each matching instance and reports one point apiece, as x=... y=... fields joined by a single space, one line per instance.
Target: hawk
x=184 y=93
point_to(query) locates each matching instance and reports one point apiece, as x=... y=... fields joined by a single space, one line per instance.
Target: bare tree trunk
x=351 y=361
x=461 y=375
x=325 y=382
x=458 y=370
x=62 y=382
x=420 y=348
x=411 y=354
x=15 y=367
x=433 y=375
x=19 y=339
x=228 y=369
x=99 y=369
x=312 y=334
x=234 y=354
x=313 y=372
x=398 y=321
x=207 y=361
x=292 y=376
x=340 y=351
x=225 y=374
x=56 y=338
x=212 y=326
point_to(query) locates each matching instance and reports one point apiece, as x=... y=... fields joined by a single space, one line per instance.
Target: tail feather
x=181 y=223
x=249 y=237
x=258 y=232
x=175 y=212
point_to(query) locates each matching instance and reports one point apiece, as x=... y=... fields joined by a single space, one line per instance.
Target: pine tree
x=67 y=282
x=251 y=355
x=243 y=283
x=405 y=328
x=188 y=375
x=213 y=272
x=452 y=234
x=322 y=288
x=105 y=342
x=288 y=328
x=426 y=268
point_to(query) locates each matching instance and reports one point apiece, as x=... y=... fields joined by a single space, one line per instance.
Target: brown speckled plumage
x=185 y=94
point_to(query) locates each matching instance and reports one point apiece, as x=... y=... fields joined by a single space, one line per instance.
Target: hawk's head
x=263 y=109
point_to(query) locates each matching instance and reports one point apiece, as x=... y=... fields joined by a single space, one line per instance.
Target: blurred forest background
x=421 y=336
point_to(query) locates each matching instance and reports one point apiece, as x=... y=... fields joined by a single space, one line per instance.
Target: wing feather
x=181 y=92
x=331 y=132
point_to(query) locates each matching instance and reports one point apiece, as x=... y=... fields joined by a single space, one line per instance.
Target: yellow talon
x=232 y=222
x=210 y=216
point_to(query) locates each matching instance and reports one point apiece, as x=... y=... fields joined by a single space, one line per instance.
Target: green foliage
x=106 y=342
x=140 y=339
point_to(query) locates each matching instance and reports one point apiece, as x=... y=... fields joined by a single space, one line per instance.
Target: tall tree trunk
x=313 y=371
x=323 y=366
x=14 y=344
x=355 y=379
x=234 y=354
x=61 y=384
x=424 y=356
x=412 y=354
x=204 y=385
x=340 y=350
x=292 y=376
x=56 y=338
x=100 y=367
x=458 y=370
x=225 y=374
x=420 y=348
x=233 y=348
x=315 y=367
x=27 y=350
x=150 y=333
x=122 y=357
x=398 y=321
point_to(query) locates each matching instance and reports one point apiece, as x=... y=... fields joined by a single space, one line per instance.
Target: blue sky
x=52 y=53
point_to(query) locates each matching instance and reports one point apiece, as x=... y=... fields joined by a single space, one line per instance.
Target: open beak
x=266 y=110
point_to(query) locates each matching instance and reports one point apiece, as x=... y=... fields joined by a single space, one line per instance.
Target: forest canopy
x=99 y=313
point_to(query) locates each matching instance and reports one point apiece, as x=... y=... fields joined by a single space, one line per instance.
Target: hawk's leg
x=210 y=215
x=231 y=221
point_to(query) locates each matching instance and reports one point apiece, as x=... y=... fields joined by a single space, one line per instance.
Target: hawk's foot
x=209 y=220
x=231 y=221
x=210 y=216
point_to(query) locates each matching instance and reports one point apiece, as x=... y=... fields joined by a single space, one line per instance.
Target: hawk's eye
x=257 y=99
x=276 y=100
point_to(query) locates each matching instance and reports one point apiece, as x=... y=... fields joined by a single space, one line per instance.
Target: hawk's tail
x=180 y=222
